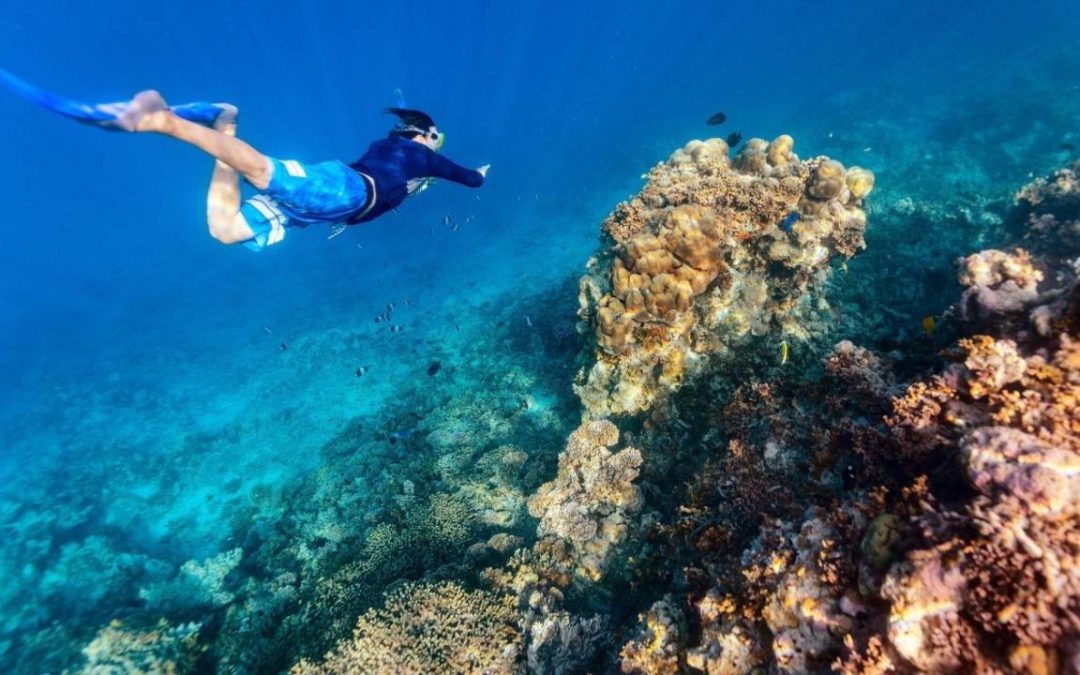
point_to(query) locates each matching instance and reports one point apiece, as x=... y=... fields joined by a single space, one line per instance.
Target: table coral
x=589 y=503
x=712 y=250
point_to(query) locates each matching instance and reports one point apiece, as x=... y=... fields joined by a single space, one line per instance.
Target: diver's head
x=416 y=126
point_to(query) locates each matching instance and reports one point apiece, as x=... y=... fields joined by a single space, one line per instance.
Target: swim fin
x=121 y=116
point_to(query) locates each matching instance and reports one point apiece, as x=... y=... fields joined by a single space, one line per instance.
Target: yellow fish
x=929 y=325
x=843 y=266
x=784 y=350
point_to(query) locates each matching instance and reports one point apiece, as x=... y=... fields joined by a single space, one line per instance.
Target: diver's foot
x=227 y=119
x=146 y=112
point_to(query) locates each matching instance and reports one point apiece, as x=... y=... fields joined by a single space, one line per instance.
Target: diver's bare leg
x=254 y=166
x=227 y=224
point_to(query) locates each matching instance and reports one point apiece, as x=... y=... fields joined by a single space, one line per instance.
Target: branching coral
x=710 y=251
x=429 y=628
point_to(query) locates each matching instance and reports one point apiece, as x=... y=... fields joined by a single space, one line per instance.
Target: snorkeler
x=291 y=193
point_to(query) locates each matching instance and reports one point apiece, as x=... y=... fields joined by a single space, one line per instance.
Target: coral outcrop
x=711 y=251
x=588 y=505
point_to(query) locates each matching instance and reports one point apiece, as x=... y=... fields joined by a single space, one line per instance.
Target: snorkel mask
x=437 y=136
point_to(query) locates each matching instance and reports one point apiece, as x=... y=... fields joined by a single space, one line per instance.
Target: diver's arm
x=441 y=167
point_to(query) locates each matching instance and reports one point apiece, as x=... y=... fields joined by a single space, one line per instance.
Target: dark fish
x=396 y=328
x=434 y=367
x=733 y=139
x=408 y=302
x=390 y=307
x=1068 y=146
x=718 y=118
x=431 y=231
x=378 y=319
x=361 y=371
x=790 y=221
x=284 y=346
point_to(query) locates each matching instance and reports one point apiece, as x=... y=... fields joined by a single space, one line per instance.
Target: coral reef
x=429 y=628
x=711 y=251
x=197 y=585
x=164 y=649
x=589 y=503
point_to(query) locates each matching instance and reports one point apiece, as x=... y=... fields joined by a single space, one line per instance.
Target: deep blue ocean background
x=144 y=367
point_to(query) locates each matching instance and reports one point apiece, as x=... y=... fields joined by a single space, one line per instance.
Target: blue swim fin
x=121 y=116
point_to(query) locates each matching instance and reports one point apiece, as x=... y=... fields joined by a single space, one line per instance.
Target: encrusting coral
x=712 y=250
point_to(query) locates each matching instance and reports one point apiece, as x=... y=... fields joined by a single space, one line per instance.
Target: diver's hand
x=483 y=170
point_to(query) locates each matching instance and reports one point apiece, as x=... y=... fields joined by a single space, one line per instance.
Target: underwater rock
x=699 y=262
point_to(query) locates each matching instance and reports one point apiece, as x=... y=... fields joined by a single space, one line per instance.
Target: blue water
x=153 y=382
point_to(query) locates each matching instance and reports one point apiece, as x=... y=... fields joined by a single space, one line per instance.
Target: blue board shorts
x=302 y=194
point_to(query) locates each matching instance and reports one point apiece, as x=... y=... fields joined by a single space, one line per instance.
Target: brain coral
x=710 y=251
x=588 y=504
x=429 y=628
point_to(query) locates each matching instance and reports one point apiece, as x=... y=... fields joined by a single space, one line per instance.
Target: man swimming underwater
x=291 y=194
x=294 y=194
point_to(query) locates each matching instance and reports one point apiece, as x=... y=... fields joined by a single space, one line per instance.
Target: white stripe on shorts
x=273 y=214
x=295 y=169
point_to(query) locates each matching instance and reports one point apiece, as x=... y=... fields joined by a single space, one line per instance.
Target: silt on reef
x=708 y=254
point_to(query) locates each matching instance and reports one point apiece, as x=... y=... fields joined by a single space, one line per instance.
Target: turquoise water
x=167 y=399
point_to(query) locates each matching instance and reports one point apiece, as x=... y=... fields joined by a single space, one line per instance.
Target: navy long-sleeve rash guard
x=394 y=162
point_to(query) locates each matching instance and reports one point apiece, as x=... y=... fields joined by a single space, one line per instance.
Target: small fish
x=434 y=367
x=389 y=307
x=468 y=219
x=843 y=266
x=790 y=221
x=733 y=139
x=431 y=230
x=396 y=328
x=929 y=325
x=784 y=351
x=446 y=219
x=378 y=319
x=359 y=246
x=1068 y=147
x=457 y=327
x=528 y=321
x=717 y=118
x=454 y=227
x=267 y=329
x=284 y=346
x=362 y=370
x=408 y=302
